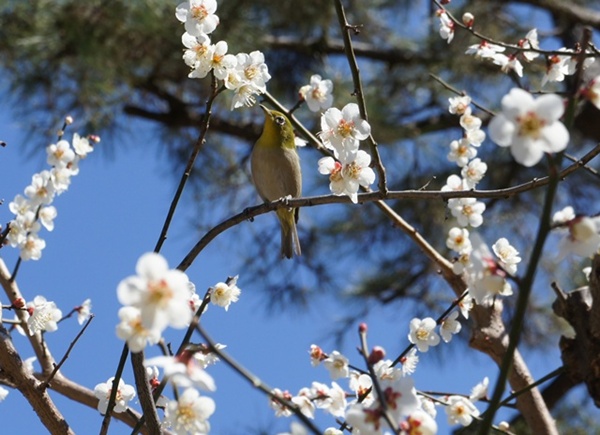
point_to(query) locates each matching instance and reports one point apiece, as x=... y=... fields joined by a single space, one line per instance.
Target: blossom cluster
x=341 y=132
x=486 y=274
x=244 y=74
x=35 y=210
x=158 y=297
x=395 y=397
x=467 y=211
x=558 y=66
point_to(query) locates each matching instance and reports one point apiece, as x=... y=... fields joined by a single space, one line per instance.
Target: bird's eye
x=280 y=120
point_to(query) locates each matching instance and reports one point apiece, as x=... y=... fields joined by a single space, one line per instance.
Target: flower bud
x=468 y=19
x=377 y=354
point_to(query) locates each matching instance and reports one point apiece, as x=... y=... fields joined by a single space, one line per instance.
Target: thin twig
x=346 y=28
x=364 y=351
x=257 y=382
x=114 y=391
x=66 y=355
x=190 y=164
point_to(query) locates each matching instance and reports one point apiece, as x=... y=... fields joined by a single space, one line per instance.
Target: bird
x=276 y=172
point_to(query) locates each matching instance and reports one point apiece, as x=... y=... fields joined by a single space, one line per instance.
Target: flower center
x=352 y=170
x=422 y=333
x=160 y=292
x=345 y=128
x=530 y=125
x=199 y=12
x=185 y=416
x=251 y=72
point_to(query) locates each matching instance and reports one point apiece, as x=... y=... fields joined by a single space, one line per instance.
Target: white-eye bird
x=276 y=173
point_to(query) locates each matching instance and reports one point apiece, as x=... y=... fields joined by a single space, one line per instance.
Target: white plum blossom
x=337 y=364
x=580 y=233
x=459 y=105
x=450 y=326
x=422 y=333
x=133 y=332
x=563 y=216
x=253 y=69
x=183 y=370
x=507 y=254
x=475 y=137
x=161 y=294
x=341 y=131
x=485 y=279
x=458 y=240
x=336 y=402
x=82 y=145
x=480 y=390
x=206 y=357
x=224 y=294
x=216 y=60
x=46 y=215
x=400 y=398
x=461 y=151
x=419 y=422
x=189 y=414
x=362 y=385
x=124 y=394
x=446 y=26
x=467 y=211
x=43 y=315
x=60 y=154
x=470 y=122
x=473 y=172
x=32 y=247
x=485 y=50
x=317 y=93
x=346 y=179
x=508 y=63
x=304 y=404
x=557 y=68
x=198 y=15
x=84 y=311
x=460 y=410
x=530 y=127
x=3 y=393
x=247 y=79
x=465 y=305
x=530 y=41
x=428 y=406
x=41 y=189
x=197 y=49
x=20 y=205
x=454 y=183
x=280 y=409
x=409 y=362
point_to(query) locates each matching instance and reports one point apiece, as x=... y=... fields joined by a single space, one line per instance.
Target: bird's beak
x=267 y=111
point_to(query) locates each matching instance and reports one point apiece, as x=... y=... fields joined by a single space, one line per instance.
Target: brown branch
x=29 y=387
x=144 y=393
x=251 y=212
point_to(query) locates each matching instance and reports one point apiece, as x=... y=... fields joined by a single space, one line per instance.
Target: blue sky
x=111 y=214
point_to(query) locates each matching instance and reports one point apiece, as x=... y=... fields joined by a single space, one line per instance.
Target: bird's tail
x=290 y=243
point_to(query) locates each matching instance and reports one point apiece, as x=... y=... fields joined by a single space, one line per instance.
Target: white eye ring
x=279 y=120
